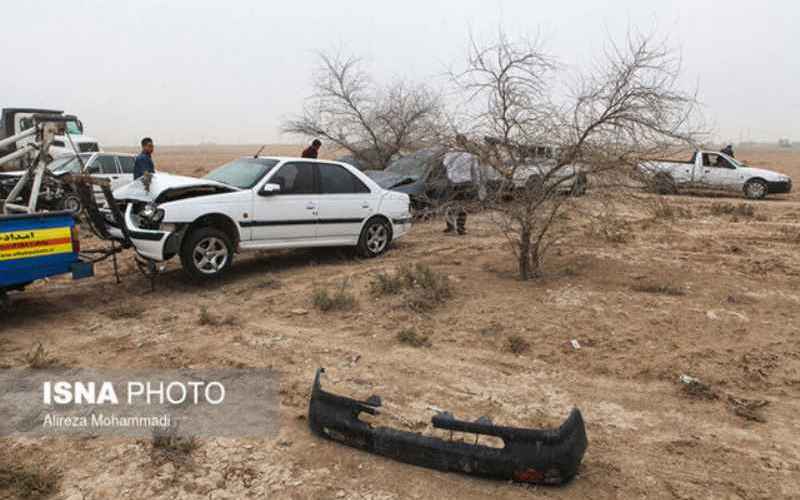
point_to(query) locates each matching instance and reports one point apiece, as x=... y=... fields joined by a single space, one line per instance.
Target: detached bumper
x=779 y=187
x=547 y=457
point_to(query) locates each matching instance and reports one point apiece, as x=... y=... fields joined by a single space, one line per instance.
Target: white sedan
x=259 y=203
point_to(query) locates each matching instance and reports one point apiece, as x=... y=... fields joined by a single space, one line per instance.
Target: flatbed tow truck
x=36 y=245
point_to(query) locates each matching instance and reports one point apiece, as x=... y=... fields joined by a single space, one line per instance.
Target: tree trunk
x=525 y=255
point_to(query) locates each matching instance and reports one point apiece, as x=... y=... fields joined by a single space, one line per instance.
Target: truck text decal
x=35 y=243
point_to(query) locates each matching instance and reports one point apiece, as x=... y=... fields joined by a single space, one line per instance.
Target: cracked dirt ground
x=706 y=294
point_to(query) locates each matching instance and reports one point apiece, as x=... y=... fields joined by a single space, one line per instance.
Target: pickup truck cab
x=715 y=171
x=256 y=204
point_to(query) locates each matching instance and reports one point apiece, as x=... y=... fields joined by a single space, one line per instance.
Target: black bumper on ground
x=530 y=456
x=779 y=187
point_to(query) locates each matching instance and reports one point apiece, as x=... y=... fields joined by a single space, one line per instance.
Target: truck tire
x=71 y=203
x=664 y=184
x=756 y=189
x=206 y=253
x=375 y=238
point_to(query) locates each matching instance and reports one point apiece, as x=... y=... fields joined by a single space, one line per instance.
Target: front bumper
x=530 y=456
x=779 y=187
x=147 y=242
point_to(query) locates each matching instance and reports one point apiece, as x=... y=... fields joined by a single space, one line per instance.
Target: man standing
x=728 y=150
x=144 y=162
x=313 y=150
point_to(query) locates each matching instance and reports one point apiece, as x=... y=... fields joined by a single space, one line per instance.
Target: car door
x=718 y=173
x=126 y=163
x=289 y=216
x=345 y=202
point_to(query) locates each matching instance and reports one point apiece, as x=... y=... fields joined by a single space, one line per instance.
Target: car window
x=106 y=164
x=126 y=162
x=337 y=180
x=295 y=178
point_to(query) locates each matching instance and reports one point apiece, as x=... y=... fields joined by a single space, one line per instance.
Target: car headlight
x=150 y=212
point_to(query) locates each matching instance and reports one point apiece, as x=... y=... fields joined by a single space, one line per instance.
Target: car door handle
x=311 y=206
x=365 y=205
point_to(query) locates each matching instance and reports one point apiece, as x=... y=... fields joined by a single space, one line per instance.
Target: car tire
x=756 y=189
x=375 y=238
x=72 y=203
x=206 y=253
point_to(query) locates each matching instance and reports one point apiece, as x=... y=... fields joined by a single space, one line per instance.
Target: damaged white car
x=257 y=204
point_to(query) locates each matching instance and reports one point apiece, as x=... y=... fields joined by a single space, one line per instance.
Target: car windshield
x=67 y=164
x=244 y=173
x=413 y=165
x=73 y=128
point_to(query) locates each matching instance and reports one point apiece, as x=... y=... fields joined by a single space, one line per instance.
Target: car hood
x=161 y=183
x=390 y=180
x=767 y=175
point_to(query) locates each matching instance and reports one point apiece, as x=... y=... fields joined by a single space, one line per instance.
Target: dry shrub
x=660 y=289
x=340 y=300
x=424 y=288
x=748 y=409
x=517 y=345
x=661 y=209
x=168 y=445
x=386 y=284
x=610 y=228
x=39 y=359
x=725 y=208
x=33 y=483
x=410 y=336
x=207 y=318
x=125 y=312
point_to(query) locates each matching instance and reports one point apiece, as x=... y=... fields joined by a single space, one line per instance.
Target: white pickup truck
x=710 y=170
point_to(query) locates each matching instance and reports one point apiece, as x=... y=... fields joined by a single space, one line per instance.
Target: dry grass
x=31 y=483
x=725 y=208
x=125 y=312
x=39 y=359
x=167 y=445
x=656 y=288
x=206 y=318
x=409 y=336
x=340 y=300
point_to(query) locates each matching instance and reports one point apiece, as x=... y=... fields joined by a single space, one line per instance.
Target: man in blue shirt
x=144 y=162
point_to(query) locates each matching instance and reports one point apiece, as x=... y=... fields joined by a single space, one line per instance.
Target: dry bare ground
x=704 y=293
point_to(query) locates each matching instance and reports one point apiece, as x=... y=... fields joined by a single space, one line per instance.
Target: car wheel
x=665 y=184
x=375 y=238
x=206 y=253
x=72 y=204
x=756 y=189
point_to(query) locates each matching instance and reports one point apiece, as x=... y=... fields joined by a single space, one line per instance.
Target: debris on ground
x=749 y=409
x=696 y=389
x=549 y=457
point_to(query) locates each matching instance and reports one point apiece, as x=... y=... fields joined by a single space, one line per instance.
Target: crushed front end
x=549 y=457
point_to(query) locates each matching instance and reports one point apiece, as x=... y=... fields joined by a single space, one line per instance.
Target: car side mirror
x=270 y=189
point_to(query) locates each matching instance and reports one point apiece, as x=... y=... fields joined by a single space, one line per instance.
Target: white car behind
x=260 y=203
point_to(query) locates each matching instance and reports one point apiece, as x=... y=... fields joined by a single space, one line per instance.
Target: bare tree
x=372 y=122
x=626 y=108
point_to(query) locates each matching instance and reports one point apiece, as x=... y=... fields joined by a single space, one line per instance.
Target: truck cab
x=72 y=141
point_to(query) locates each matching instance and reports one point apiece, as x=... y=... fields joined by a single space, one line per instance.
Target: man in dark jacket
x=144 y=162
x=313 y=150
x=728 y=150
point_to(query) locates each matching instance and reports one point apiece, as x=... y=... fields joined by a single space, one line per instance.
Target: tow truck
x=36 y=244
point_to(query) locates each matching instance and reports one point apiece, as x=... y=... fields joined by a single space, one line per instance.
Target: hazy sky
x=229 y=71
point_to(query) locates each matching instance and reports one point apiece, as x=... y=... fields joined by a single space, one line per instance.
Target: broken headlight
x=152 y=213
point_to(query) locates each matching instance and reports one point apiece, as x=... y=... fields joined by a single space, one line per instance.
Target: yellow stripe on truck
x=35 y=243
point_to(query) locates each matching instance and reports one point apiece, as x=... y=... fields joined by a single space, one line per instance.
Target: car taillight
x=76 y=242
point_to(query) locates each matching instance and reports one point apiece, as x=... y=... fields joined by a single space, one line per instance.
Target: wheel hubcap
x=73 y=205
x=756 y=190
x=210 y=255
x=377 y=238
